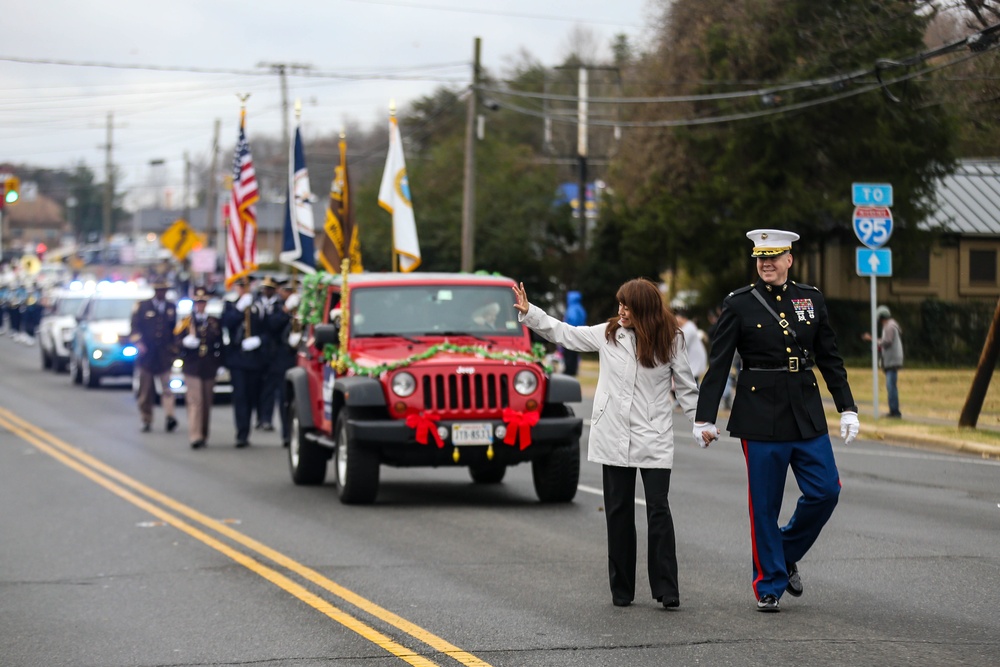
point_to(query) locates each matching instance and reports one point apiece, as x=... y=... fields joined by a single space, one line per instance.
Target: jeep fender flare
x=563 y=389
x=298 y=381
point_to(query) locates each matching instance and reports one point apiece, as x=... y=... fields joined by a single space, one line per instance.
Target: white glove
x=292 y=302
x=244 y=302
x=705 y=427
x=849 y=426
x=250 y=344
x=190 y=342
x=294 y=339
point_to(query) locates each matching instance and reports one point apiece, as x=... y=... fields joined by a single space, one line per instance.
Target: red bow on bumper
x=424 y=423
x=519 y=426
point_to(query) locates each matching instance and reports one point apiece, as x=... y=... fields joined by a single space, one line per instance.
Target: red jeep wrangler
x=425 y=369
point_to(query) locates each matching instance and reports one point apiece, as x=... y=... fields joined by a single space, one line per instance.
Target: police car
x=100 y=347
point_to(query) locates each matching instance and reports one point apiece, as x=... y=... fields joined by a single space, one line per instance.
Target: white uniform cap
x=771 y=242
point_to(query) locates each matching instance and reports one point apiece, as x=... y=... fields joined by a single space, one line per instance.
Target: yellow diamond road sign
x=180 y=239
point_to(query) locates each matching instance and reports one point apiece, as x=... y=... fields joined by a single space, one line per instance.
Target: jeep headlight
x=525 y=383
x=403 y=384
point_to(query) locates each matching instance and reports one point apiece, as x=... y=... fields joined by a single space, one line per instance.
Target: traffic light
x=11 y=189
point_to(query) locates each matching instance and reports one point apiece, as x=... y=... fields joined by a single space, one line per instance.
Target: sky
x=55 y=103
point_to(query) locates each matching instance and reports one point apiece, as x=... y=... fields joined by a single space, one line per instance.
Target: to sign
x=871 y=194
x=873 y=225
x=874 y=262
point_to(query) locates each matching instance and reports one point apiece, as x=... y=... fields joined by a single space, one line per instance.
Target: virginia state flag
x=394 y=196
x=298 y=243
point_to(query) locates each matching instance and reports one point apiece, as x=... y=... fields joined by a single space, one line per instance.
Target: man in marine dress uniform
x=153 y=322
x=778 y=413
x=200 y=340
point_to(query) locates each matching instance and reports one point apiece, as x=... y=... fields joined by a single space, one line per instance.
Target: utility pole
x=187 y=187
x=109 y=187
x=469 y=191
x=212 y=196
x=282 y=69
x=581 y=152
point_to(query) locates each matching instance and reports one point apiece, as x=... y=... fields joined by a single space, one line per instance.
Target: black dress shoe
x=768 y=603
x=171 y=424
x=240 y=444
x=794 y=586
x=669 y=603
x=145 y=427
x=620 y=603
x=197 y=444
x=266 y=427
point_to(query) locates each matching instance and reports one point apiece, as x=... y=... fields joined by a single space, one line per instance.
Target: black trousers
x=246 y=398
x=619 y=508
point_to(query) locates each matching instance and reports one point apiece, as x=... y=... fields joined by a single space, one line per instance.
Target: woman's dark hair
x=654 y=325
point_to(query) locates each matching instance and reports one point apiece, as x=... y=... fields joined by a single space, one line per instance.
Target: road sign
x=871 y=194
x=180 y=239
x=873 y=225
x=877 y=262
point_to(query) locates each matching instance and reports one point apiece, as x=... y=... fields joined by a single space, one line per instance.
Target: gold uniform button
x=782 y=314
x=786 y=332
x=778 y=297
x=753 y=388
x=758 y=326
x=788 y=349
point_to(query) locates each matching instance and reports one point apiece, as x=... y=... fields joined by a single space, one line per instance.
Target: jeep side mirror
x=326 y=334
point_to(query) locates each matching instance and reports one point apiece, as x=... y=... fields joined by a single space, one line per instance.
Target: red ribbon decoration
x=519 y=426
x=424 y=423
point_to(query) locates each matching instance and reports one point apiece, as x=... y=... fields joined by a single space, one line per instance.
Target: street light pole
x=469 y=190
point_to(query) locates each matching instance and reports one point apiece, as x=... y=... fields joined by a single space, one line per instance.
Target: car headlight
x=108 y=337
x=403 y=384
x=525 y=383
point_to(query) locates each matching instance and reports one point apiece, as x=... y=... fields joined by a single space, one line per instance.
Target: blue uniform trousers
x=815 y=470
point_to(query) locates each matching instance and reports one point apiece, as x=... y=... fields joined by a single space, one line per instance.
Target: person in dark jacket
x=199 y=337
x=782 y=331
x=251 y=344
x=286 y=353
x=153 y=322
x=272 y=306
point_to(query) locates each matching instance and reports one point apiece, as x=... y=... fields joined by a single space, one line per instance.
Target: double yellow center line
x=171 y=512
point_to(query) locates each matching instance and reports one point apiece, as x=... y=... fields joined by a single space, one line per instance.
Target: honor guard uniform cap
x=200 y=294
x=269 y=282
x=771 y=242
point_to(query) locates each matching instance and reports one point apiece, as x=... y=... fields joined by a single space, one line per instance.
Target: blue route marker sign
x=874 y=262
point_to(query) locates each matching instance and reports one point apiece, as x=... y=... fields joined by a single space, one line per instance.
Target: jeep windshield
x=479 y=311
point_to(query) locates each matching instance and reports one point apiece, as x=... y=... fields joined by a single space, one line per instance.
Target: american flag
x=241 y=236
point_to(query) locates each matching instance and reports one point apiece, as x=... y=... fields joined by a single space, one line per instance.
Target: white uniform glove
x=849 y=426
x=190 y=342
x=250 y=344
x=705 y=427
x=294 y=339
x=292 y=302
x=244 y=302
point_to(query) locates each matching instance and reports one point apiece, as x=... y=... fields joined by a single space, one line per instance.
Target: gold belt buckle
x=793 y=365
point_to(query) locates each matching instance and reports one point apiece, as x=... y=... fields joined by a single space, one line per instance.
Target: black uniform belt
x=794 y=365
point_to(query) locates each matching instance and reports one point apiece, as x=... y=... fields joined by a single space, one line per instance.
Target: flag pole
x=395 y=255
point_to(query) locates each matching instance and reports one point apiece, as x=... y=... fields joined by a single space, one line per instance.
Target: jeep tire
x=557 y=473
x=306 y=459
x=357 y=469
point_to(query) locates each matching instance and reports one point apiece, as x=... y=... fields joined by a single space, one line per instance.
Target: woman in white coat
x=642 y=354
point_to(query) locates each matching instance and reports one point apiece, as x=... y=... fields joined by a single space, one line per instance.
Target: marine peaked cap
x=771 y=242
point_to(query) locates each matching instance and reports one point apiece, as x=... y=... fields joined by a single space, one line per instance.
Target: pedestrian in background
x=640 y=351
x=200 y=340
x=152 y=333
x=693 y=342
x=781 y=330
x=890 y=355
x=576 y=316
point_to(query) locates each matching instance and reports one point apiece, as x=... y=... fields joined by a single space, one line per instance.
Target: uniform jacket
x=632 y=422
x=890 y=345
x=775 y=405
x=204 y=360
x=155 y=330
x=285 y=356
x=262 y=323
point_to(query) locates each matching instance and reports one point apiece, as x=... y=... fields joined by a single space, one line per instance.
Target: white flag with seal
x=394 y=196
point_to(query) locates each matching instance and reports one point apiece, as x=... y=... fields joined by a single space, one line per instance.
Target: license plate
x=472 y=434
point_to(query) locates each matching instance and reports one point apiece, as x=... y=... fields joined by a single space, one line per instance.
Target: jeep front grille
x=490 y=391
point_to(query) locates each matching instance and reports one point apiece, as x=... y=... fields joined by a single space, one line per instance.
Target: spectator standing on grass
x=890 y=354
x=576 y=315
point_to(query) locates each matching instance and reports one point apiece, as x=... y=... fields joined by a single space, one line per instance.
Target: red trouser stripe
x=758 y=570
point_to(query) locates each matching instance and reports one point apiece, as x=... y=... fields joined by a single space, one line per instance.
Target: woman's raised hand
x=520 y=299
